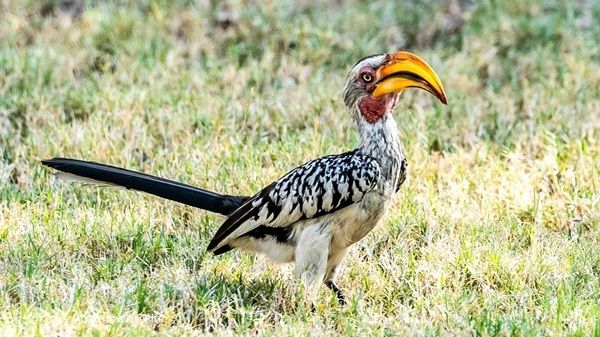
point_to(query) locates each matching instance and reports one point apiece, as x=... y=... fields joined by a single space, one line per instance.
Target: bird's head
x=376 y=81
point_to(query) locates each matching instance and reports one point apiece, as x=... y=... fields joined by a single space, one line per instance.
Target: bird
x=315 y=213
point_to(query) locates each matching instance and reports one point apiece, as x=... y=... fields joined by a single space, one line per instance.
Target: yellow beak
x=406 y=70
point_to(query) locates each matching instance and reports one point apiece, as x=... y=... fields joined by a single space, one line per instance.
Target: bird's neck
x=381 y=141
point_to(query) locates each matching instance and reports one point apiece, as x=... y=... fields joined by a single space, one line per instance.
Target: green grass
x=496 y=232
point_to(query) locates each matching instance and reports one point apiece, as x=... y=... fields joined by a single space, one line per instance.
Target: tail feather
x=90 y=172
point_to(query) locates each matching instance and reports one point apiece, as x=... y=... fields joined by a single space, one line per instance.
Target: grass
x=496 y=232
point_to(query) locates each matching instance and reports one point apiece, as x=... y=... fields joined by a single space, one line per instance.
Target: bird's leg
x=338 y=292
x=311 y=258
x=330 y=283
x=334 y=267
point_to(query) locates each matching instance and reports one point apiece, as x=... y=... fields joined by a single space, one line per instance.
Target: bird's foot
x=338 y=292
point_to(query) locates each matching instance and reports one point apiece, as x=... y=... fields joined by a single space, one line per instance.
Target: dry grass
x=495 y=233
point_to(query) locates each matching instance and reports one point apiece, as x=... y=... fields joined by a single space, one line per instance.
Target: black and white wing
x=318 y=187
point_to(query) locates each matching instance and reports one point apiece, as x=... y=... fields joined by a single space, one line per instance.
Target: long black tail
x=164 y=188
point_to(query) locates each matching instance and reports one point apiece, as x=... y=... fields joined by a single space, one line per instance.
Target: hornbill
x=312 y=215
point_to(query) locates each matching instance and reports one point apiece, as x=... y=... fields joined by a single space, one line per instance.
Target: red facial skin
x=372 y=108
x=375 y=108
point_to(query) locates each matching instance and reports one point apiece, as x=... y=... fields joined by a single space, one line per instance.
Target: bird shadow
x=237 y=302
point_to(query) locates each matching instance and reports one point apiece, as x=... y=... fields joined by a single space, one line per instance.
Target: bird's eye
x=367 y=77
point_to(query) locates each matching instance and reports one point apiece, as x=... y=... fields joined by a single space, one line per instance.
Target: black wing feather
x=243 y=213
x=314 y=189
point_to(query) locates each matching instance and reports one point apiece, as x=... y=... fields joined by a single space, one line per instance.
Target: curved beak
x=406 y=70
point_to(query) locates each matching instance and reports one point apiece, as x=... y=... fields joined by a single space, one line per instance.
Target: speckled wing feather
x=318 y=187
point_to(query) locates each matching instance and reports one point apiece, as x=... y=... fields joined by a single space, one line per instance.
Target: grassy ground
x=496 y=232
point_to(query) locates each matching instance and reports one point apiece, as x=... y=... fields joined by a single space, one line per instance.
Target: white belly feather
x=346 y=226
